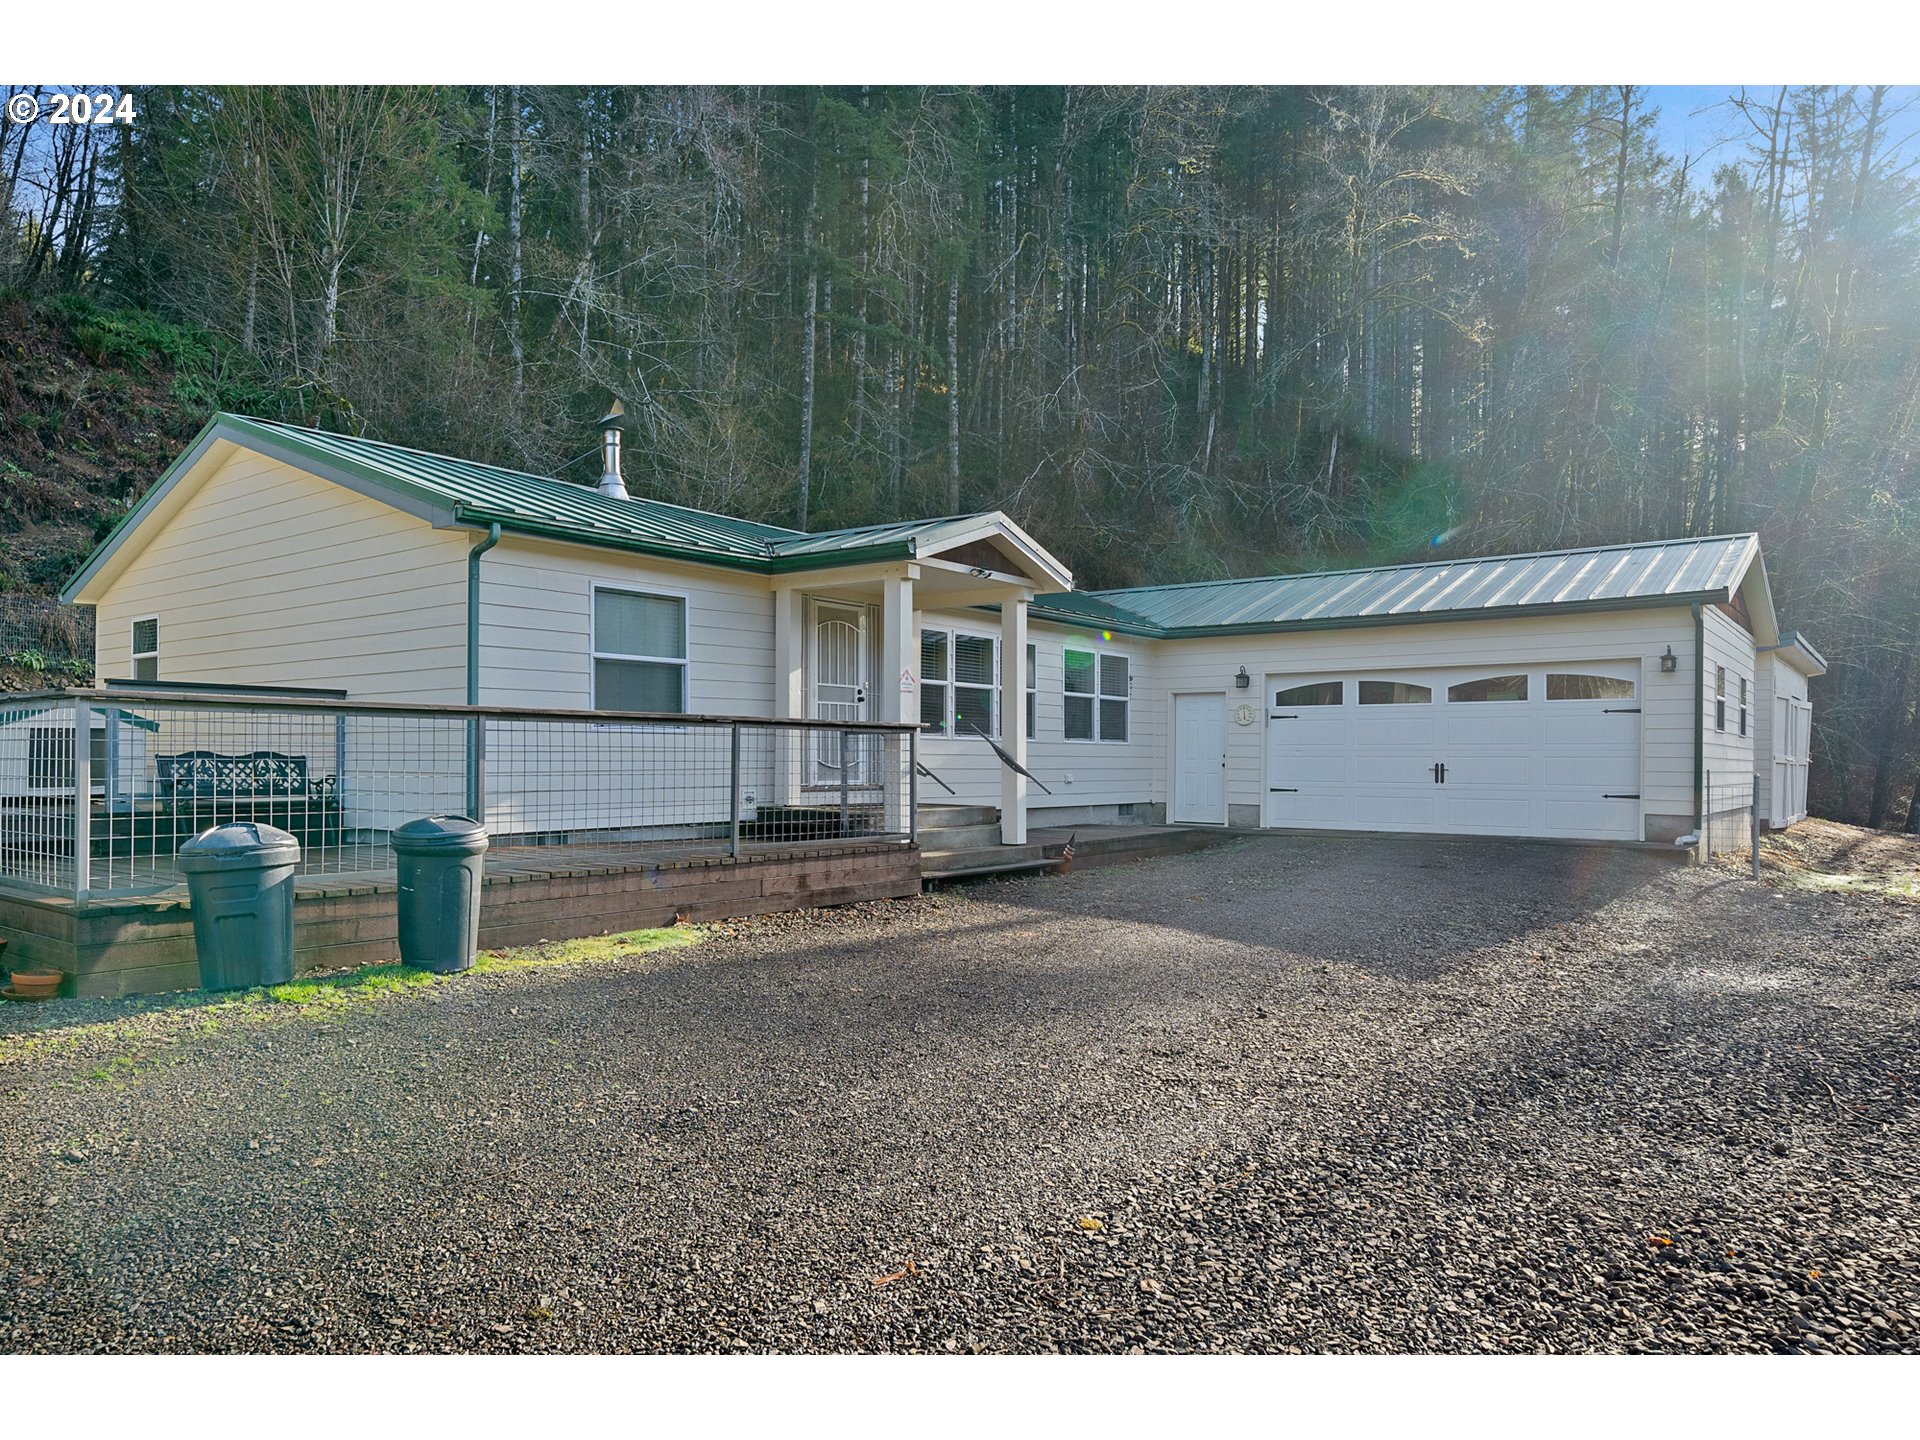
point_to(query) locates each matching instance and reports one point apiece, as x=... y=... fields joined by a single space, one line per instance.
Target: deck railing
x=104 y=816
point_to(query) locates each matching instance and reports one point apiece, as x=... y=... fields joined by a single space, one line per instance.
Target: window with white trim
x=1095 y=693
x=639 y=651
x=1743 y=704
x=1719 y=697
x=146 y=648
x=1033 y=691
x=959 y=683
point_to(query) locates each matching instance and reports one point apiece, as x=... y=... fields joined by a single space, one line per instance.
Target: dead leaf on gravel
x=908 y=1269
x=1088 y=1222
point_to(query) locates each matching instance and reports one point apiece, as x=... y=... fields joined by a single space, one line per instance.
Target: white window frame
x=1096 y=695
x=133 y=630
x=952 y=687
x=1743 y=705
x=1031 y=697
x=1720 y=699
x=595 y=654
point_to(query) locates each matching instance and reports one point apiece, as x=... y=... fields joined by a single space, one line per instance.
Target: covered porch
x=848 y=647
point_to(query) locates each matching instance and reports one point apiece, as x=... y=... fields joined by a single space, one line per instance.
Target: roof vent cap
x=611 y=424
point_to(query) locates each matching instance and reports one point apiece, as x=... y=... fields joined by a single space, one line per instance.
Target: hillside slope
x=93 y=406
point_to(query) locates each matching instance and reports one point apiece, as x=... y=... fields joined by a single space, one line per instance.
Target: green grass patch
x=205 y=1015
x=590 y=950
x=373 y=981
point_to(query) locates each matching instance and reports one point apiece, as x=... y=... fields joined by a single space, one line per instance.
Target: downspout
x=1699 y=717
x=476 y=799
x=473 y=610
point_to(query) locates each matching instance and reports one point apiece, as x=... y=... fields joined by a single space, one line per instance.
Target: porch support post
x=1013 y=717
x=898 y=689
x=789 y=637
x=790 y=745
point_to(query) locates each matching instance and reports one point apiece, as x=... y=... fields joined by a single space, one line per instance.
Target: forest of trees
x=1178 y=332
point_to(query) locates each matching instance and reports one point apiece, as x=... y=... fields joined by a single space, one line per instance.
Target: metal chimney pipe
x=611 y=424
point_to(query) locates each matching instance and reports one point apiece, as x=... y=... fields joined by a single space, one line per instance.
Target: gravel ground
x=1291 y=1094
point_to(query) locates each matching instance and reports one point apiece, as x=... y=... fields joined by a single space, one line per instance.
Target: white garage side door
x=1547 y=750
x=1200 y=759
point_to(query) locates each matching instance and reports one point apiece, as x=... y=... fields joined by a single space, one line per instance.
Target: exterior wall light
x=1242 y=680
x=1669 y=662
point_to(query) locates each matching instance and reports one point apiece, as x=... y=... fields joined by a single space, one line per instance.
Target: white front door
x=1199 y=760
x=837 y=665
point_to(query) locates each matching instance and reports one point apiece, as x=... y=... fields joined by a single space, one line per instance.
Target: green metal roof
x=1607 y=577
x=448 y=490
x=539 y=504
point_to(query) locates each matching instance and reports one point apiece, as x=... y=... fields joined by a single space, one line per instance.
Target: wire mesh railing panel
x=340 y=778
x=562 y=782
x=1727 y=823
x=37 y=792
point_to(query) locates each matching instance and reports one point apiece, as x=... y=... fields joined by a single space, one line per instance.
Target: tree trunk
x=805 y=477
x=953 y=396
x=514 y=339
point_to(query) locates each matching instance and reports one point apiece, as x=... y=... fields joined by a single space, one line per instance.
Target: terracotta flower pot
x=37 y=984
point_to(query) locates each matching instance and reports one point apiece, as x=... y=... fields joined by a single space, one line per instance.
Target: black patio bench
x=200 y=788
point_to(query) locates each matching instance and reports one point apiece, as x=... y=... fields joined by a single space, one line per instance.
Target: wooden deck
x=346 y=905
x=324 y=870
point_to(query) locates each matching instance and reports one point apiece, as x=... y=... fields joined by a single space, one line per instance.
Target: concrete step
x=958 y=837
x=977 y=858
x=1113 y=845
x=980 y=872
x=940 y=816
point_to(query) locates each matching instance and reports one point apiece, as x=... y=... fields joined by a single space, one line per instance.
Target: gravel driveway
x=1291 y=1094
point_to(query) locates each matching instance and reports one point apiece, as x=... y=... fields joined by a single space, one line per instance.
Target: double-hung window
x=1033 y=690
x=1719 y=697
x=146 y=648
x=959 y=683
x=1743 y=704
x=1095 y=696
x=639 y=651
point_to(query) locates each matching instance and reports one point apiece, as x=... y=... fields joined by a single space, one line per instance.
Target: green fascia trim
x=1363 y=622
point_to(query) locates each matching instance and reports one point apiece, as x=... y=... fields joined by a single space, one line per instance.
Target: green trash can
x=440 y=860
x=240 y=883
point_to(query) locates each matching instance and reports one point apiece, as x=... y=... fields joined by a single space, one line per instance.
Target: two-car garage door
x=1548 y=750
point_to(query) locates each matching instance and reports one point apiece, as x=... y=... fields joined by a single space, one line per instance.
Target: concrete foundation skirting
x=140 y=947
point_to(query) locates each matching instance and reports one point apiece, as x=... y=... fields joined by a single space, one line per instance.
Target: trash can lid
x=240 y=843
x=440 y=835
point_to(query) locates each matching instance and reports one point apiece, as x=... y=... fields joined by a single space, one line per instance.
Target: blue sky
x=1693 y=117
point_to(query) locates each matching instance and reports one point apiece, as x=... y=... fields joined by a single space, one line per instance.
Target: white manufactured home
x=1584 y=694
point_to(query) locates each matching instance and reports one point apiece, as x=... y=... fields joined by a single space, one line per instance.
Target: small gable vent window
x=146 y=648
x=1588 y=687
x=1492 y=688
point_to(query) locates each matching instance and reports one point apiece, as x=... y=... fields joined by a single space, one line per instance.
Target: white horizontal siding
x=1643 y=635
x=270 y=576
x=1727 y=755
x=536 y=627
